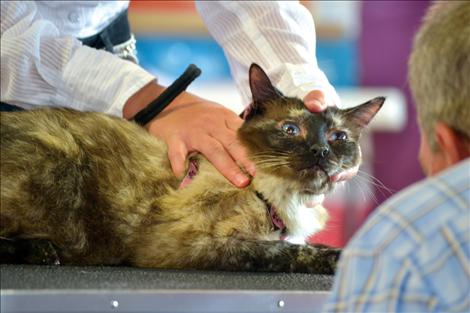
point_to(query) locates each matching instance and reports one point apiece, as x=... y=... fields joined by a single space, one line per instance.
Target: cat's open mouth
x=314 y=172
x=316 y=179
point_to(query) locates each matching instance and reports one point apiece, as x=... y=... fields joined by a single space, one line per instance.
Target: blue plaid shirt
x=413 y=253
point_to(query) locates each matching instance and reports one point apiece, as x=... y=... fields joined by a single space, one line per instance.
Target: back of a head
x=439 y=68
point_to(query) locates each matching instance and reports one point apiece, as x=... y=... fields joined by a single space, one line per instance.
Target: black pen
x=169 y=94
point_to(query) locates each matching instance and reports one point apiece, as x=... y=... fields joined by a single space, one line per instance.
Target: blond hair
x=439 y=69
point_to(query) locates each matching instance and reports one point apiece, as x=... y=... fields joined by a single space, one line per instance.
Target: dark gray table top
x=59 y=289
x=27 y=277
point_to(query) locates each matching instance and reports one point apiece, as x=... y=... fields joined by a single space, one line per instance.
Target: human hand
x=191 y=123
x=315 y=102
x=206 y=127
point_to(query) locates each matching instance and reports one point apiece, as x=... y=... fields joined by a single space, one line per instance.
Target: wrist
x=141 y=99
x=150 y=92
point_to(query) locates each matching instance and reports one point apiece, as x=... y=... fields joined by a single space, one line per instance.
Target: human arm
x=43 y=66
x=191 y=123
x=277 y=35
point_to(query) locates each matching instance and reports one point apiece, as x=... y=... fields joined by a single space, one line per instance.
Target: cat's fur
x=101 y=189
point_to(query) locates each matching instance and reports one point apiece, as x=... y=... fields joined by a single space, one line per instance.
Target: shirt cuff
x=297 y=80
x=97 y=80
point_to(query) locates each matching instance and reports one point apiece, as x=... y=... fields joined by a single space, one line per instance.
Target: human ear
x=452 y=146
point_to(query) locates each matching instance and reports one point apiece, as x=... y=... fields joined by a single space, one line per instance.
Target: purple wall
x=385 y=43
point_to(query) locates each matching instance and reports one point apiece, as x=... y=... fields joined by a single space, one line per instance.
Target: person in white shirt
x=45 y=60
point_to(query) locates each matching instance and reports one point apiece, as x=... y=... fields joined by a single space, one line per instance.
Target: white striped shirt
x=43 y=62
x=278 y=35
x=413 y=254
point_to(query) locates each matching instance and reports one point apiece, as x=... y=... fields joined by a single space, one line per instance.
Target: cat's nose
x=320 y=151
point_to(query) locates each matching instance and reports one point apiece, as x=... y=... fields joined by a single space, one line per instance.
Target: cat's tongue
x=337 y=177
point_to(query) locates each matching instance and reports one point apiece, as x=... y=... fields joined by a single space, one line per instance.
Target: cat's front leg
x=235 y=254
x=276 y=256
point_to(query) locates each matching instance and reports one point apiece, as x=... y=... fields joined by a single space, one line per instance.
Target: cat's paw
x=318 y=259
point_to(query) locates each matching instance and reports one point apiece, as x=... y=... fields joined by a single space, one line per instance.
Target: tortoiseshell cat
x=101 y=189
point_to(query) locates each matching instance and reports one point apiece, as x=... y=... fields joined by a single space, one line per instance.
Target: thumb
x=315 y=101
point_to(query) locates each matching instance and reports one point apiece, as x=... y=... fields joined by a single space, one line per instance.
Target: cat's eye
x=291 y=129
x=338 y=135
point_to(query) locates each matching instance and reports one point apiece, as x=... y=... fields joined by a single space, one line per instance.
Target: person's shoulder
x=412 y=216
x=448 y=188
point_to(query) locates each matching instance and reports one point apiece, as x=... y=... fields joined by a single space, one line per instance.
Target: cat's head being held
x=309 y=149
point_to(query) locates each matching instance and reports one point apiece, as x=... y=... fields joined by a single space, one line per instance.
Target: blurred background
x=363 y=48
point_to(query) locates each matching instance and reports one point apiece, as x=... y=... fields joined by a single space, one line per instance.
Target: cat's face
x=285 y=139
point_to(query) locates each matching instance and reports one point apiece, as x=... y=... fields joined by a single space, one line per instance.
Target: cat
x=100 y=189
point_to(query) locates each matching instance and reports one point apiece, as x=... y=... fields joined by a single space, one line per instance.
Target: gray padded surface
x=26 y=277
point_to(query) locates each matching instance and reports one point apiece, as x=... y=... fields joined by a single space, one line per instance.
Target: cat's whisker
x=366 y=182
x=373 y=179
x=272 y=165
x=384 y=190
x=366 y=192
x=273 y=161
x=271 y=153
x=359 y=182
x=366 y=177
x=265 y=159
x=275 y=165
x=269 y=157
x=357 y=186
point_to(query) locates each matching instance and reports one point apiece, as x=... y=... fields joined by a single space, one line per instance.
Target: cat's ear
x=362 y=114
x=262 y=89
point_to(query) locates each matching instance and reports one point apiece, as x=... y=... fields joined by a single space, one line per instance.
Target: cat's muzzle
x=315 y=179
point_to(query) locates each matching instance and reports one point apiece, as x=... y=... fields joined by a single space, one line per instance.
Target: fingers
x=237 y=151
x=233 y=123
x=215 y=152
x=315 y=101
x=209 y=129
x=177 y=152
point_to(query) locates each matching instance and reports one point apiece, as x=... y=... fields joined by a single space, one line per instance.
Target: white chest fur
x=300 y=219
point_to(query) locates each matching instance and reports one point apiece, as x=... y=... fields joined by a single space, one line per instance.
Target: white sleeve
x=277 y=35
x=40 y=66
